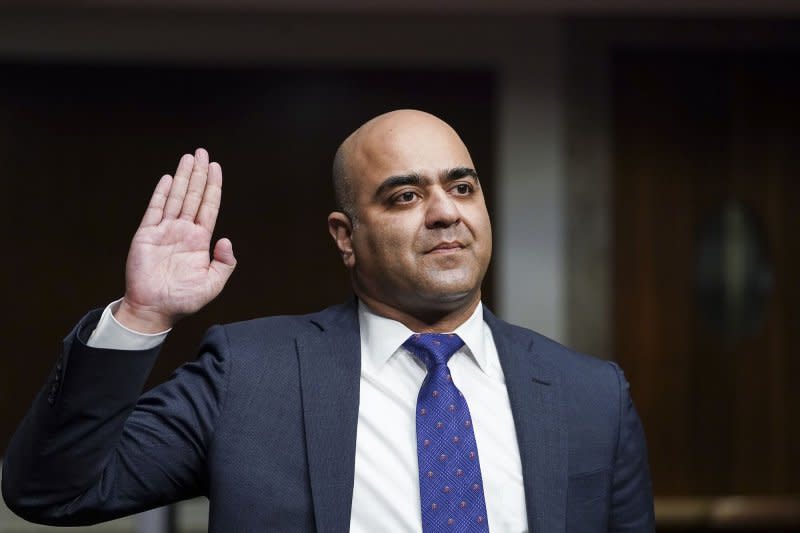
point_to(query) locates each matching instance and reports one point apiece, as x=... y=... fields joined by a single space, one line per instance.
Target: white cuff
x=111 y=335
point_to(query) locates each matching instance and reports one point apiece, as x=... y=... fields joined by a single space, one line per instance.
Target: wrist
x=141 y=319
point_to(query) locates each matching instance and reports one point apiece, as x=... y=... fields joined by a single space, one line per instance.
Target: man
x=411 y=408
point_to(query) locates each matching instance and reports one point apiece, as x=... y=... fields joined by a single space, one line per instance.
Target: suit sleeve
x=92 y=449
x=632 y=491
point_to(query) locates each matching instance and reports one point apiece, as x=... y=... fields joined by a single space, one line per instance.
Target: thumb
x=224 y=262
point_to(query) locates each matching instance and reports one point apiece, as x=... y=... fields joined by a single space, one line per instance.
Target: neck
x=428 y=321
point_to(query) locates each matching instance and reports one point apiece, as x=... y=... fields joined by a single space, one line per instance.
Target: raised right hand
x=169 y=272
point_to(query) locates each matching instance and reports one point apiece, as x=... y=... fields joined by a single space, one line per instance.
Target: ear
x=341 y=229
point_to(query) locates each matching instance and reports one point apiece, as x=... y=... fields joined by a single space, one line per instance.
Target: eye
x=463 y=189
x=405 y=197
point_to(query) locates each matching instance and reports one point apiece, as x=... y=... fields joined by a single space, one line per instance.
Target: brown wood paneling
x=766 y=152
x=694 y=130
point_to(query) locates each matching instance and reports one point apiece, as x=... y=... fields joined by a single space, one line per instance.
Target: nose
x=442 y=210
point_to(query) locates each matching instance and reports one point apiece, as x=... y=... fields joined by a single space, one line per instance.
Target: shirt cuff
x=111 y=335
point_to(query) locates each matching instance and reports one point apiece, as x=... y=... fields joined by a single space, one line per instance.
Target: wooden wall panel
x=693 y=131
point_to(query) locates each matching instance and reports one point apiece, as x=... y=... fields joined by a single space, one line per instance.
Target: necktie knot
x=433 y=349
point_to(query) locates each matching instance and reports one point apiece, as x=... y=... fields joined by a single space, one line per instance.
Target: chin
x=451 y=297
x=452 y=292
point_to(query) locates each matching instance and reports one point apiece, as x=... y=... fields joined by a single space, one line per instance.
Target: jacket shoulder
x=556 y=356
x=590 y=385
x=280 y=332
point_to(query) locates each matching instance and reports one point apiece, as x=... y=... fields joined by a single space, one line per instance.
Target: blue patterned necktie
x=450 y=483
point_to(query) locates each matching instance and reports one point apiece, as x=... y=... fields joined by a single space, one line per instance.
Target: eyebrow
x=418 y=180
x=461 y=172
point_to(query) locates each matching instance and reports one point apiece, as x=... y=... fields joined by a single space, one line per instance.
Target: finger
x=196 y=186
x=212 y=196
x=179 y=184
x=155 y=209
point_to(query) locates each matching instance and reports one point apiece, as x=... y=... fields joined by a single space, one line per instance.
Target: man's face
x=421 y=239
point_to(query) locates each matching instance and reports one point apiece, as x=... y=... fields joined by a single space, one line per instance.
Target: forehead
x=424 y=147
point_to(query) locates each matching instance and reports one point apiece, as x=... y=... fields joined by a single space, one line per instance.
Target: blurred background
x=641 y=159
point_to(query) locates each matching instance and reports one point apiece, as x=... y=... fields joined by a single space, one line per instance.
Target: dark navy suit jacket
x=264 y=424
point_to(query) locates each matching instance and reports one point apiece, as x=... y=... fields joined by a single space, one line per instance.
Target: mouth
x=446 y=247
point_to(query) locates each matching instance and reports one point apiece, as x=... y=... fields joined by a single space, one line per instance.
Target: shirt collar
x=381 y=337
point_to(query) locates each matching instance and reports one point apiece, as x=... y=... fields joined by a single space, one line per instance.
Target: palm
x=169 y=263
x=169 y=272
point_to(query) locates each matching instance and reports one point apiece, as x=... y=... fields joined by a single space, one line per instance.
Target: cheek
x=480 y=226
x=487 y=234
x=383 y=245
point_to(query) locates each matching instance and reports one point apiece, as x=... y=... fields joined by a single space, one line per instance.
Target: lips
x=445 y=247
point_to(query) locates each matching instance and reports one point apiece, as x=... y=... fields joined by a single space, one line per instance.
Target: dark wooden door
x=700 y=136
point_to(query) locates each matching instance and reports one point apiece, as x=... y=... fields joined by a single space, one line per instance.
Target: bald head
x=415 y=233
x=378 y=140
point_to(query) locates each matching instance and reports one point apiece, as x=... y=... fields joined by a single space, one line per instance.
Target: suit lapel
x=330 y=366
x=535 y=395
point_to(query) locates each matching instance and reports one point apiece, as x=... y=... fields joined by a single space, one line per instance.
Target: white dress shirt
x=386 y=485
